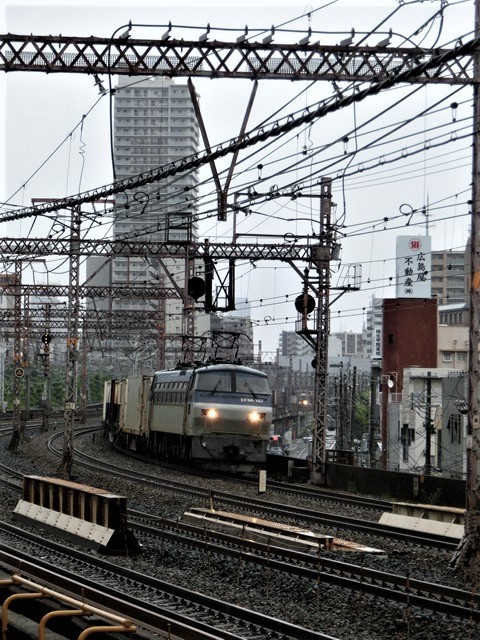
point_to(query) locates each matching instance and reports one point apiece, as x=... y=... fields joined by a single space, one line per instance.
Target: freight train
x=214 y=416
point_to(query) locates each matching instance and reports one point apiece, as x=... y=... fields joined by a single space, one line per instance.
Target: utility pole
x=321 y=256
x=428 y=426
x=3 y=350
x=161 y=335
x=25 y=413
x=371 y=422
x=289 y=391
x=17 y=347
x=83 y=391
x=341 y=411
x=188 y=320
x=337 y=413
x=47 y=378
x=353 y=398
x=65 y=467
x=467 y=555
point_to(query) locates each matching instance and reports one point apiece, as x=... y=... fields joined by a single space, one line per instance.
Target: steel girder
x=11 y=248
x=250 y=60
x=153 y=292
x=102 y=323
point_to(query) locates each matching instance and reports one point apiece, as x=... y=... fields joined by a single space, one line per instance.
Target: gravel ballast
x=346 y=615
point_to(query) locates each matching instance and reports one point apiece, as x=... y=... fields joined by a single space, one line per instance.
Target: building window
x=447 y=356
x=455 y=428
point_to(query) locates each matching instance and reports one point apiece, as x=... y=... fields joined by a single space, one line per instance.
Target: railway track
x=310 y=566
x=150 y=603
x=185 y=542
x=272 y=485
x=283 y=512
x=156 y=532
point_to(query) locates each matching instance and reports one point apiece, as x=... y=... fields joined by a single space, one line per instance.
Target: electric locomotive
x=215 y=416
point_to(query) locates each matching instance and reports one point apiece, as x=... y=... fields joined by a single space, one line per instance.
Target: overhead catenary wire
x=256 y=137
x=212 y=210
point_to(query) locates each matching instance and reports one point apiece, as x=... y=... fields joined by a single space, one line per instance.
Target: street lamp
x=390 y=379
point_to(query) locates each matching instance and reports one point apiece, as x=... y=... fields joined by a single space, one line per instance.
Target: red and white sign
x=413 y=267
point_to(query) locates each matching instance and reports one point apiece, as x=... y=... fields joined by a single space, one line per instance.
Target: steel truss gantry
x=10 y=248
x=250 y=60
x=153 y=292
x=103 y=324
x=381 y=67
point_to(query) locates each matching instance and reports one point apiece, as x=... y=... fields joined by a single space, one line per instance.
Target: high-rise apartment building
x=154 y=125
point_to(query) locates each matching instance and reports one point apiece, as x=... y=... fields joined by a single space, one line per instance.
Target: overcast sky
x=419 y=149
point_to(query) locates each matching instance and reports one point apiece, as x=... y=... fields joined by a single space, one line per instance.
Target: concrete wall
x=388 y=485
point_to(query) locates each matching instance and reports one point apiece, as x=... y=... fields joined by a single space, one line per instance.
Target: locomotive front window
x=248 y=383
x=214 y=381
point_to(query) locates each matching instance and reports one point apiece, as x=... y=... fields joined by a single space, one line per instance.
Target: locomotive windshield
x=248 y=383
x=214 y=381
x=227 y=382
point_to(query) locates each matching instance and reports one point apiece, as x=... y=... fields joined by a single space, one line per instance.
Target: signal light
x=305 y=304
x=196 y=287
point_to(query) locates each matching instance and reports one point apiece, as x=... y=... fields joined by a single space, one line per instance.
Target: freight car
x=214 y=416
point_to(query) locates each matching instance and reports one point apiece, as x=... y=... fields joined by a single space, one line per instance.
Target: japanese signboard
x=377 y=347
x=413 y=262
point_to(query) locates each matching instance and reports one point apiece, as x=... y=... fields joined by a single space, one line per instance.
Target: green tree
x=361 y=414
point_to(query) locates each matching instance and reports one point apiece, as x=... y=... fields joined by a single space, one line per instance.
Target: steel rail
x=427 y=595
x=314 y=493
x=168 y=606
x=281 y=511
x=405 y=590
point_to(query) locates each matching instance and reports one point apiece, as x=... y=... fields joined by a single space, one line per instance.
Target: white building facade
x=434 y=397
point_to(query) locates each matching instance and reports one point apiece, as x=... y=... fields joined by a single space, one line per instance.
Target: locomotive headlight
x=211 y=413
x=255 y=416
